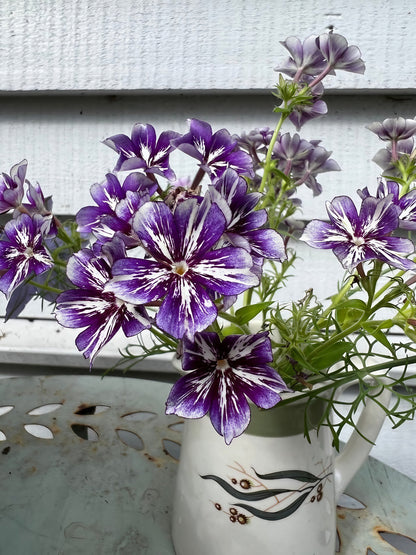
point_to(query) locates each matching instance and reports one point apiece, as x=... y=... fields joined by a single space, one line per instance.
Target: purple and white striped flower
x=245 y=224
x=216 y=152
x=22 y=253
x=107 y=195
x=186 y=270
x=356 y=238
x=116 y=205
x=90 y=306
x=11 y=187
x=406 y=205
x=221 y=377
x=143 y=151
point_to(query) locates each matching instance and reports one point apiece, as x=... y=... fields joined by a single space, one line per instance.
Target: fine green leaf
x=377 y=333
x=329 y=357
x=247 y=313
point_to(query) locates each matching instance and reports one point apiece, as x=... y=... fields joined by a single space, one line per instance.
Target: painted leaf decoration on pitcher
x=311 y=482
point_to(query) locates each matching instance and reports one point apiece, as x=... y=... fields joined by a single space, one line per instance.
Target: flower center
x=222 y=364
x=358 y=241
x=180 y=268
x=28 y=252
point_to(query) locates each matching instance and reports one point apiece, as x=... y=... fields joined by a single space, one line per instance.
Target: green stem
x=164 y=338
x=45 y=287
x=337 y=298
x=348 y=378
x=387 y=285
x=267 y=164
x=335 y=338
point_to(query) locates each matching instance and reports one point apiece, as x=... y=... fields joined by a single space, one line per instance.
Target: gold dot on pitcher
x=242 y=519
x=218 y=506
x=245 y=484
x=233 y=511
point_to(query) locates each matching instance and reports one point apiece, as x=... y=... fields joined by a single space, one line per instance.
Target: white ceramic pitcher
x=270 y=491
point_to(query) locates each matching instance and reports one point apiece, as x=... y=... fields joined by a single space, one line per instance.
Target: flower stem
x=45 y=287
x=267 y=163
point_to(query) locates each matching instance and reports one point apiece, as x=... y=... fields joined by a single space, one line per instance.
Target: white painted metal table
x=88 y=467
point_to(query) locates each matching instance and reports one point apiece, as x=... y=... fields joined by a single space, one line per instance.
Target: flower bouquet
x=196 y=264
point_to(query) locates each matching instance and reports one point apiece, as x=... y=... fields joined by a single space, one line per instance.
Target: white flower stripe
x=186 y=309
x=153 y=224
x=99 y=337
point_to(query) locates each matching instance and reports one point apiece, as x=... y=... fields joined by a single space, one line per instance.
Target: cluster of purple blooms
x=166 y=262
x=172 y=257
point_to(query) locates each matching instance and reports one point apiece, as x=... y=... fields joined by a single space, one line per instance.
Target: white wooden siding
x=165 y=45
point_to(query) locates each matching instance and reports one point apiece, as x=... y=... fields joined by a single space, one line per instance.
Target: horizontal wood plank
x=61 y=137
x=182 y=45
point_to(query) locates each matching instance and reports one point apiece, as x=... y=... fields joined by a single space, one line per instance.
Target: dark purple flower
x=305 y=57
x=303 y=113
x=11 y=187
x=320 y=56
x=222 y=376
x=303 y=160
x=315 y=108
x=22 y=252
x=186 y=269
x=338 y=54
x=38 y=204
x=216 y=152
x=406 y=205
x=318 y=162
x=116 y=205
x=393 y=129
x=244 y=226
x=387 y=157
x=256 y=141
x=91 y=307
x=143 y=151
x=355 y=238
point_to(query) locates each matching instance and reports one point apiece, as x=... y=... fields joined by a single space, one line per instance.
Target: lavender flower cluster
x=171 y=255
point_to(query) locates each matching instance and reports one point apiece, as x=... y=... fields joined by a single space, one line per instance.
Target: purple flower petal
x=338 y=54
x=322 y=235
x=186 y=309
x=199 y=225
x=138 y=281
x=190 y=396
x=226 y=271
x=267 y=243
x=378 y=217
x=229 y=411
x=87 y=271
x=202 y=351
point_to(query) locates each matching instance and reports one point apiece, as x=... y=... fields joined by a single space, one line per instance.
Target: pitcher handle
x=356 y=450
